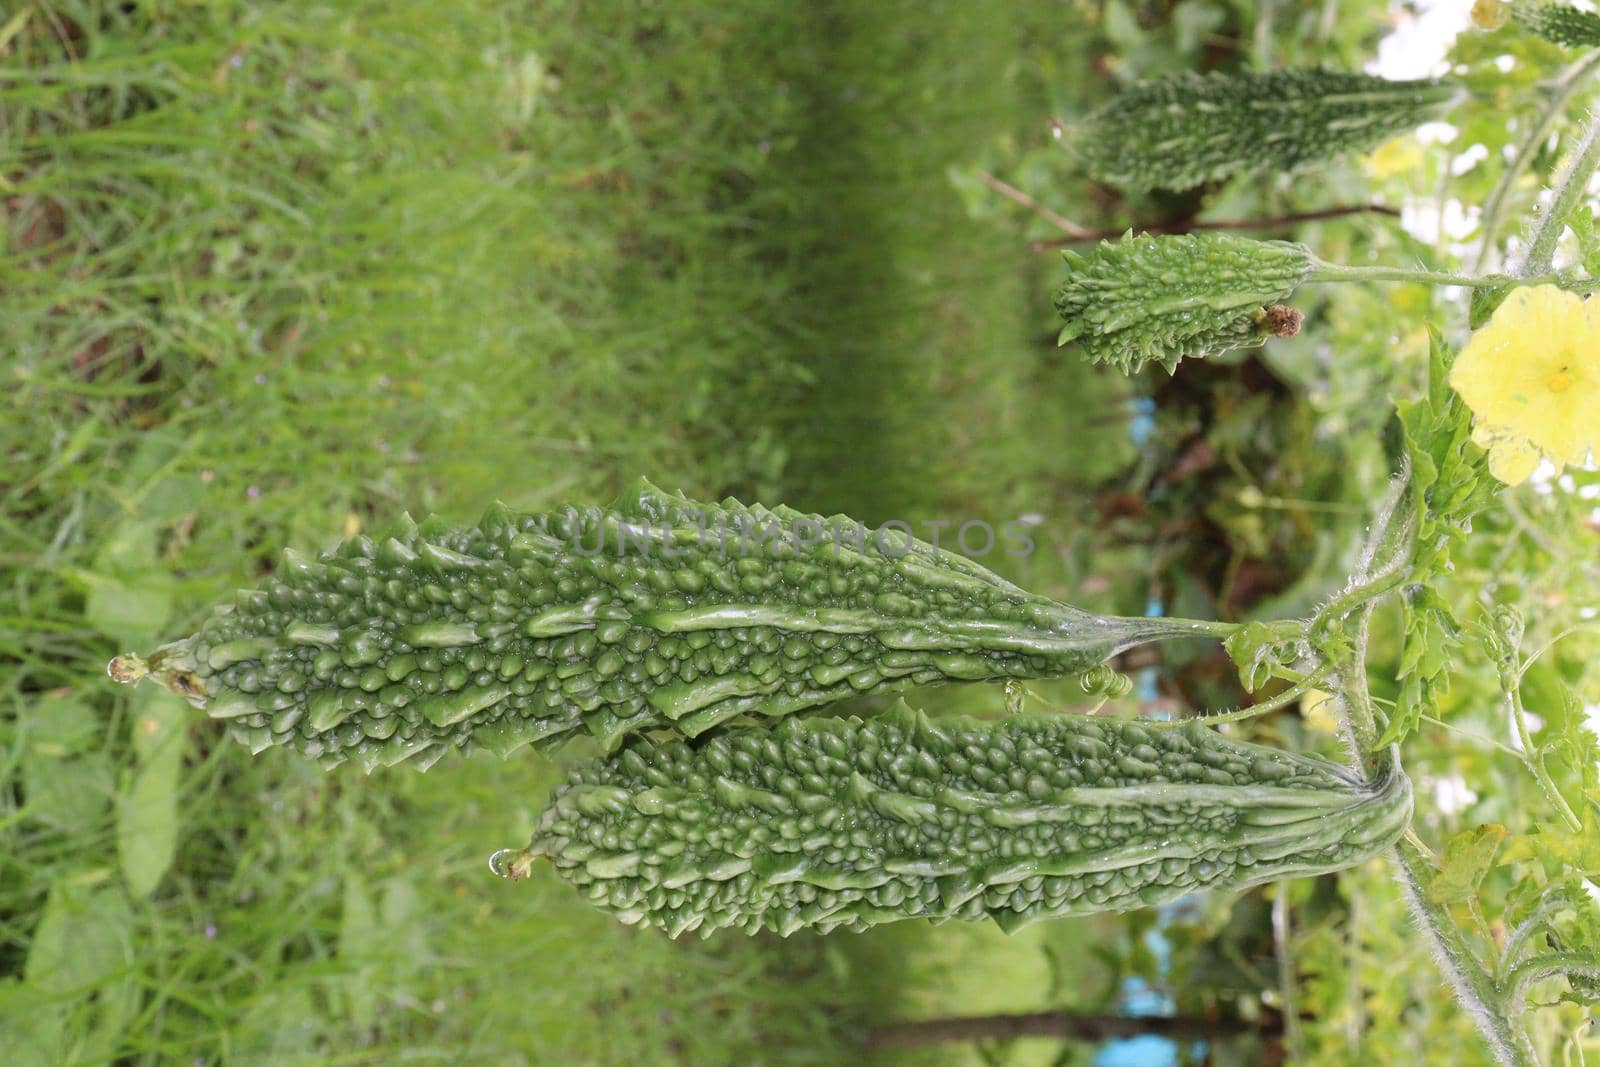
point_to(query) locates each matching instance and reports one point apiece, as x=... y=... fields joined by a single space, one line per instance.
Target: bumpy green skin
x=1163 y=299
x=829 y=823
x=531 y=628
x=1560 y=24
x=1189 y=129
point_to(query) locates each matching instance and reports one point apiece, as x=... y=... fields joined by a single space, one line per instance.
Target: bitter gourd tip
x=127 y=669
x=170 y=666
x=643 y=499
x=514 y=864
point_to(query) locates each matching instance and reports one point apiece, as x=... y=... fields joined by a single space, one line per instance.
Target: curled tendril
x=1102 y=681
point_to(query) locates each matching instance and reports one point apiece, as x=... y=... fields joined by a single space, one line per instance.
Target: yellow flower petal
x=1319 y=711
x=1513 y=460
x=1399 y=155
x=1533 y=373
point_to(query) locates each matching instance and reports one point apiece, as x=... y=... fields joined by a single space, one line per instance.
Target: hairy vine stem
x=1560 y=95
x=1535 y=765
x=1523 y=931
x=1385 y=567
x=1550 y=965
x=1478 y=993
x=1323 y=271
x=1569 y=189
x=1250 y=711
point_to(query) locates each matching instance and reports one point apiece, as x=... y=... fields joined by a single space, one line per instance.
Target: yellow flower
x=1532 y=378
x=1489 y=14
x=1320 y=711
x=1398 y=155
x=1511 y=459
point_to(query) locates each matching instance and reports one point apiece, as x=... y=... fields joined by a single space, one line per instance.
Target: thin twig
x=1530 y=758
x=1192 y=225
x=1286 y=970
x=1470 y=735
x=1539 y=652
x=1355 y=1003
x=1015 y=195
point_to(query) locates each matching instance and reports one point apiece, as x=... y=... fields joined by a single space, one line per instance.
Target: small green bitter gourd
x=1163 y=299
x=655 y=612
x=830 y=823
x=1560 y=24
x=1188 y=129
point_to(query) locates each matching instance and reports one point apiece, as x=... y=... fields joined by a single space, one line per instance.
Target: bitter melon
x=1162 y=299
x=1560 y=24
x=656 y=612
x=827 y=823
x=1188 y=129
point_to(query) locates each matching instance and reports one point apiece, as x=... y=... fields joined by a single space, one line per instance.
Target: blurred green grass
x=275 y=273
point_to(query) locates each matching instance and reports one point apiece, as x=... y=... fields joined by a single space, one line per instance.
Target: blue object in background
x=1146 y=1050
x=1142 y=423
x=1145 y=689
x=1138 y=997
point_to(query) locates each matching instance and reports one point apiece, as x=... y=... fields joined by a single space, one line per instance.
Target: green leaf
x=130 y=594
x=160 y=721
x=1261 y=649
x=1571 y=923
x=1468 y=857
x=1585 y=224
x=33 y=1024
x=81 y=954
x=1122 y=26
x=1567 y=735
x=1407 y=715
x=1450 y=485
x=404 y=934
x=1194 y=21
x=169 y=497
x=1526 y=894
x=1486 y=300
x=147 y=808
x=70 y=794
x=58 y=725
x=280 y=1027
x=1560 y=850
x=360 y=943
x=147 y=824
x=66 y=781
